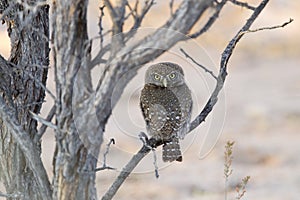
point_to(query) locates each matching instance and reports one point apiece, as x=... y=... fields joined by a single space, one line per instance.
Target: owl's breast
x=162 y=110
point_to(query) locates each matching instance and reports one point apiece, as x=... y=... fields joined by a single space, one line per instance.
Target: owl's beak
x=164 y=82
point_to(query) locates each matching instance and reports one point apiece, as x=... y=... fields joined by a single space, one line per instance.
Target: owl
x=166 y=104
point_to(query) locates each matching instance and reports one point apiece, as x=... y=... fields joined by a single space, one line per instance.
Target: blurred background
x=259 y=109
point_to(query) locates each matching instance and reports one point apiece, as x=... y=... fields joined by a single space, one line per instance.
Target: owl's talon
x=144 y=138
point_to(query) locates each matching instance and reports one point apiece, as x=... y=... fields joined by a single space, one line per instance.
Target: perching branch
x=201 y=117
x=223 y=67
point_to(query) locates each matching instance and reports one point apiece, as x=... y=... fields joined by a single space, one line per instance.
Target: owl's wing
x=186 y=110
x=154 y=113
x=157 y=117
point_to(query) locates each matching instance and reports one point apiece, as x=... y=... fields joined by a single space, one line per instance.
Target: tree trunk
x=22 y=91
x=74 y=163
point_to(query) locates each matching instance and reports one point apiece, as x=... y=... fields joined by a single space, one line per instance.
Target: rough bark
x=74 y=164
x=21 y=168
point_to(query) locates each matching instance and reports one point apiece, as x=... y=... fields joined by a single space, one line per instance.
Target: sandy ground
x=259 y=109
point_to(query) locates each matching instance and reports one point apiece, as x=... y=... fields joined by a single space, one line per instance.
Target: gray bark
x=21 y=168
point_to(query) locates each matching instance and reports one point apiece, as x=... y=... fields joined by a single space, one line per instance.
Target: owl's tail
x=171 y=151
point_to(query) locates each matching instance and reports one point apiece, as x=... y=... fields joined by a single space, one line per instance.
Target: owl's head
x=165 y=74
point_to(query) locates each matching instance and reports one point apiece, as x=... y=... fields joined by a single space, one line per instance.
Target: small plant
x=241 y=187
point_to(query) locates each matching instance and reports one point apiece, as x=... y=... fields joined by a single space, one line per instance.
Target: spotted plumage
x=166 y=104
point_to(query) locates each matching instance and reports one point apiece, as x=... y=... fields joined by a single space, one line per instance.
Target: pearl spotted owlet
x=166 y=103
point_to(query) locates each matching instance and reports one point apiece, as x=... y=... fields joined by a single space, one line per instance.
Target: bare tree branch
x=104 y=166
x=39 y=82
x=210 y=21
x=12 y=196
x=98 y=58
x=171 y=3
x=223 y=66
x=125 y=172
x=43 y=121
x=117 y=14
x=200 y=118
x=133 y=11
x=198 y=64
x=100 y=25
x=242 y=4
x=43 y=128
x=138 y=18
x=155 y=163
x=269 y=28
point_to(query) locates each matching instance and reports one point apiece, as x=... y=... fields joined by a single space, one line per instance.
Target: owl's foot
x=144 y=138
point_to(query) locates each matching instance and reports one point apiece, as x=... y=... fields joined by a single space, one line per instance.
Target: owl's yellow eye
x=156 y=76
x=172 y=76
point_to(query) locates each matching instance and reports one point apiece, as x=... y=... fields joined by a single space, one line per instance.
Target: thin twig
x=43 y=128
x=104 y=166
x=132 y=11
x=111 y=10
x=100 y=25
x=242 y=4
x=171 y=4
x=117 y=14
x=198 y=64
x=112 y=141
x=43 y=121
x=268 y=28
x=12 y=196
x=138 y=18
x=144 y=138
x=99 y=57
x=155 y=163
x=40 y=83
